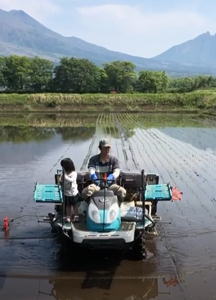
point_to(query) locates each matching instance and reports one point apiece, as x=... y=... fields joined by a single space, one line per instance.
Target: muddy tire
x=65 y=244
x=138 y=249
x=69 y=247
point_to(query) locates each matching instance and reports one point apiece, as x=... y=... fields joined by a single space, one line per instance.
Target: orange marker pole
x=6 y=224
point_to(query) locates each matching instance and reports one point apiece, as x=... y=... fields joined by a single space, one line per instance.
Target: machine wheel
x=139 y=252
x=54 y=230
x=65 y=244
x=69 y=247
x=154 y=208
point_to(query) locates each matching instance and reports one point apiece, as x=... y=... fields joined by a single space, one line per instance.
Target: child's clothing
x=71 y=193
x=72 y=200
x=70 y=184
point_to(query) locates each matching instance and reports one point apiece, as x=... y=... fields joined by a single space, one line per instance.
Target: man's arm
x=116 y=168
x=92 y=165
x=92 y=169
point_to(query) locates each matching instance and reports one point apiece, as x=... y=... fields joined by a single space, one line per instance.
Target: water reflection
x=90 y=274
x=106 y=120
x=97 y=288
x=81 y=127
x=18 y=135
x=27 y=134
x=84 y=275
x=76 y=133
x=48 y=120
x=100 y=288
x=200 y=138
x=26 y=152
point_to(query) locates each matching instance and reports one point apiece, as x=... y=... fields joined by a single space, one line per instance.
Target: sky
x=143 y=28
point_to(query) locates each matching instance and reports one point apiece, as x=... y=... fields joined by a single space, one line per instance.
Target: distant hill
x=22 y=35
x=197 y=52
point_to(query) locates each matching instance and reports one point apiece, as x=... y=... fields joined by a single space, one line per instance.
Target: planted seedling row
x=161 y=158
x=158 y=153
x=116 y=150
x=201 y=181
x=168 y=244
x=202 y=204
x=206 y=249
x=126 y=142
x=123 y=121
x=113 y=134
x=121 y=137
x=151 y=155
x=167 y=142
x=186 y=158
x=91 y=146
x=166 y=145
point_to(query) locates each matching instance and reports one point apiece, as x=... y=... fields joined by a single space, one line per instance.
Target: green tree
x=104 y=81
x=147 y=82
x=202 y=82
x=183 y=85
x=2 y=63
x=152 y=82
x=164 y=81
x=77 y=76
x=213 y=82
x=41 y=74
x=16 y=72
x=121 y=75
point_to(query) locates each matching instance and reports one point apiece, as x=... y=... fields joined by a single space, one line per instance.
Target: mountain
x=199 y=51
x=22 y=35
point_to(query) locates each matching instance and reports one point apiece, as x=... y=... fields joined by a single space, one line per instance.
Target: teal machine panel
x=48 y=193
x=158 y=192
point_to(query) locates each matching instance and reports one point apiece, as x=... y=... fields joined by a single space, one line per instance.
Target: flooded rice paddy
x=181 y=260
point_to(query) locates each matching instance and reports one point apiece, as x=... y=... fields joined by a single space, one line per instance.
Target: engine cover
x=103 y=212
x=104 y=199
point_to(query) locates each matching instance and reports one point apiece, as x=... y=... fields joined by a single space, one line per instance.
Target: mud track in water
x=185 y=156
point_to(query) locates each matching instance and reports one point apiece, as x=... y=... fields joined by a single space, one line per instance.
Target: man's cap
x=104 y=143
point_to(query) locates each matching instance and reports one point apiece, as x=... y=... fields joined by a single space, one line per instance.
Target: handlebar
x=101 y=180
x=104 y=182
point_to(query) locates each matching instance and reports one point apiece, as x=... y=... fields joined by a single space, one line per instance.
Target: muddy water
x=180 y=260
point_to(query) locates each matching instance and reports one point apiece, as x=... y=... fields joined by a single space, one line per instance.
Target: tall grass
x=199 y=99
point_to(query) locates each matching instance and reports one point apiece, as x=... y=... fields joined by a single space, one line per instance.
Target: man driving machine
x=100 y=164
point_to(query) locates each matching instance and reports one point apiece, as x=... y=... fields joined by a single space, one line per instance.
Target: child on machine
x=71 y=192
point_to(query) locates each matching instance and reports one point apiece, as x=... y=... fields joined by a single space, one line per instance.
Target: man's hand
x=110 y=178
x=94 y=178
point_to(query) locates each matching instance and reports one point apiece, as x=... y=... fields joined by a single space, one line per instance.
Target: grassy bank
x=199 y=100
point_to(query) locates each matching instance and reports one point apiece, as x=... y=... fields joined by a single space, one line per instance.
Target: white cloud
x=132 y=29
x=38 y=9
x=133 y=19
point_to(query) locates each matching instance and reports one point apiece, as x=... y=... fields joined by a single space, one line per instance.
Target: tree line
x=72 y=75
